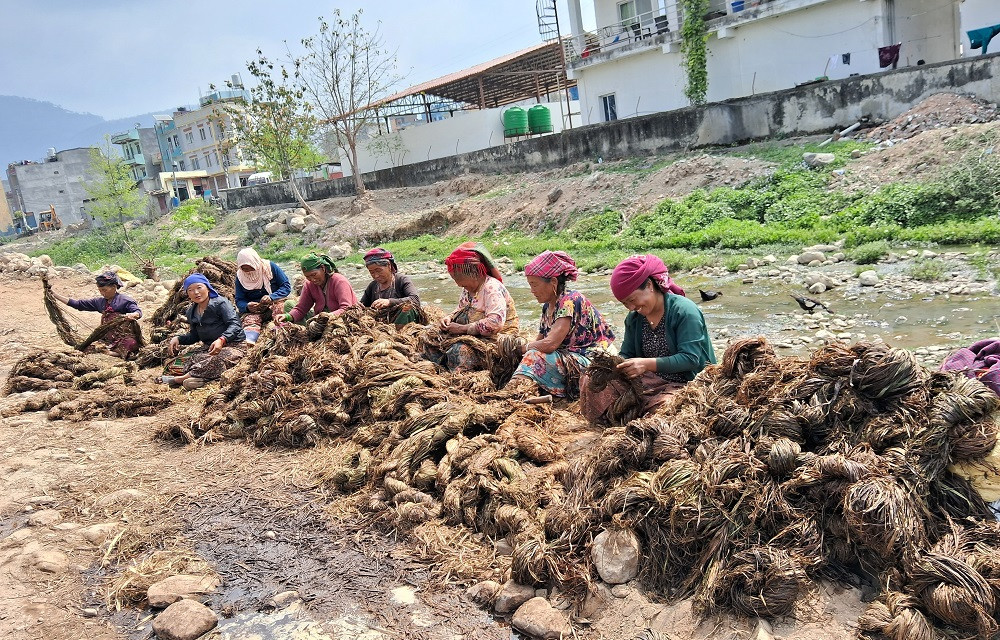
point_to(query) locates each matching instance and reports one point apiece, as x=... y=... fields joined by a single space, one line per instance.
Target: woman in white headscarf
x=259 y=285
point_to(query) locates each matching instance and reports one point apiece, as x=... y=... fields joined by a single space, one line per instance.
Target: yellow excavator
x=49 y=220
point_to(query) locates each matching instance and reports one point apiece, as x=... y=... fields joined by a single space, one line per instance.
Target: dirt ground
x=82 y=502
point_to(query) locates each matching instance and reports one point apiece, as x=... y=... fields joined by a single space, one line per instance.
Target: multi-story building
x=6 y=219
x=631 y=63
x=196 y=147
x=56 y=181
x=141 y=152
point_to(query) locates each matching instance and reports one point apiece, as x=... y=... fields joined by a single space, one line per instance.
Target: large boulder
x=184 y=620
x=275 y=228
x=868 y=278
x=616 y=555
x=539 y=619
x=815 y=160
x=809 y=256
x=340 y=250
x=296 y=223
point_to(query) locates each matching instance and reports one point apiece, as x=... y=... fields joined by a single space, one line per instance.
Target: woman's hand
x=380 y=303
x=445 y=323
x=216 y=346
x=135 y=315
x=173 y=346
x=253 y=307
x=635 y=367
x=455 y=328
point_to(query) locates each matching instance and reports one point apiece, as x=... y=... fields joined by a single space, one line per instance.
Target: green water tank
x=539 y=119
x=515 y=122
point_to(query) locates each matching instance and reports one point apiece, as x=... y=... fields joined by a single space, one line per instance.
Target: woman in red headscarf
x=666 y=341
x=485 y=308
x=569 y=330
x=390 y=289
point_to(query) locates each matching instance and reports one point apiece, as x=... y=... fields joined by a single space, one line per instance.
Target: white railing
x=650 y=25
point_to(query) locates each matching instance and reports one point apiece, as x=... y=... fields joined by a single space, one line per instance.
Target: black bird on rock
x=709 y=295
x=809 y=304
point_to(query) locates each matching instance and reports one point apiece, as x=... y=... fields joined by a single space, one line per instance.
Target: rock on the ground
x=50 y=561
x=44 y=518
x=275 y=228
x=616 y=555
x=818 y=159
x=169 y=590
x=511 y=596
x=122 y=495
x=340 y=250
x=927 y=253
x=554 y=195
x=184 y=620
x=284 y=599
x=539 y=619
x=296 y=223
x=868 y=278
x=809 y=256
x=483 y=592
x=311 y=229
x=97 y=534
x=817 y=287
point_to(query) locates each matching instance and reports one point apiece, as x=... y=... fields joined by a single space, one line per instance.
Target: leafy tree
x=345 y=71
x=694 y=48
x=276 y=125
x=115 y=199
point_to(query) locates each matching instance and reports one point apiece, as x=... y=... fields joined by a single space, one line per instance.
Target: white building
x=628 y=63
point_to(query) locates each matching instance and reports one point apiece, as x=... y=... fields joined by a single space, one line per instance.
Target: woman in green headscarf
x=325 y=289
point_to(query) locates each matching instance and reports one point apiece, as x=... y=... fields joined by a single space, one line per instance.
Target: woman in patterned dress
x=666 y=341
x=570 y=328
x=112 y=305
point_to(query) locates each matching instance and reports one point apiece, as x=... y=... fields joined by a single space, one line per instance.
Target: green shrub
x=870 y=252
x=597 y=227
x=930 y=270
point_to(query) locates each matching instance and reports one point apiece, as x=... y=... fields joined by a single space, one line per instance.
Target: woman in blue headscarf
x=214 y=323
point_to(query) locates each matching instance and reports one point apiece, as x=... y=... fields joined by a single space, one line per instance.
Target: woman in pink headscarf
x=666 y=341
x=569 y=330
x=261 y=286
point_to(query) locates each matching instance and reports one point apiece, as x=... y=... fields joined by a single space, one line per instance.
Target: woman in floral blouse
x=485 y=308
x=570 y=329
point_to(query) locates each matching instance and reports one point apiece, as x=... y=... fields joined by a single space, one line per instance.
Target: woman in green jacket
x=666 y=342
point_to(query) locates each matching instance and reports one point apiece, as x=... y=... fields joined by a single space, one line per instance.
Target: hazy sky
x=117 y=58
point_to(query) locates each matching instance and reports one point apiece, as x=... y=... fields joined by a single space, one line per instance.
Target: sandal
x=168 y=380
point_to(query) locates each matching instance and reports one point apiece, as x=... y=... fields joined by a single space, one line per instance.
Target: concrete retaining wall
x=812 y=109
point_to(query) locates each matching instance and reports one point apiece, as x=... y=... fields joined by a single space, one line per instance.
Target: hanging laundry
x=845 y=58
x=832 y=63
x=889 y=56
x=981 y=37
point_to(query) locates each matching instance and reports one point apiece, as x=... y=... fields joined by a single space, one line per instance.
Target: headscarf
x=552 y=264
x=199 y=278
x=380 y=256
x=314 y=261
x=632 y=272
x=260 y=277
x=109 y=278
x=472 y=257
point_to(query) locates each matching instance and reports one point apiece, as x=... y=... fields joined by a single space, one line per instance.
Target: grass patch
x=927 y=270
x=870 y=252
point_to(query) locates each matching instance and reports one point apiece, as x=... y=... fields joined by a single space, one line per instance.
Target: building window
x=608 y=105
x=177 y=142
x=201 y=132
x=626 y=13
x=189 y=136
x=222 y=132
x=195 y=164
x=215 y=158
x=180 y=165
x=208 y=161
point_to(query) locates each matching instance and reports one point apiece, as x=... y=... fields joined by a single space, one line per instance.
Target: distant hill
x=29 y=127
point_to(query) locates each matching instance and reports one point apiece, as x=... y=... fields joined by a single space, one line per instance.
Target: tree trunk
x=359 y=184
x=298 y=194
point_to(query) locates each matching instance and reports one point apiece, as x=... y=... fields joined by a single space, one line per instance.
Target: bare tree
x=276 y=126
x=346 y=69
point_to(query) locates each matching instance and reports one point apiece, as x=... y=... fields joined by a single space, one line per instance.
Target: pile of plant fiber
x=68 y=334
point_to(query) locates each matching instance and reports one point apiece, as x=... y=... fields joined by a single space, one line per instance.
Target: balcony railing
x=125 y=136
x=656 y=25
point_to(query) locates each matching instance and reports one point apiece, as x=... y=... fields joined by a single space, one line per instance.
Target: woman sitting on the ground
x=569 y=330
x=324 y=290
x=666 y=341
x=112 y=305
x=389 y=288
x=485 y=308
x=260 y=286
x=213 y=322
